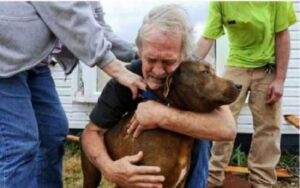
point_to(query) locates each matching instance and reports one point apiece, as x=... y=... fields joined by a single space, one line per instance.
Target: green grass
x=72 y=148
x=287 y=160
x=73 y=174
x=290 y=162
x=238 y=157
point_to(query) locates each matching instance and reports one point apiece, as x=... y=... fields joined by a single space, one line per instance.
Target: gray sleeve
x=121 y=48
x=75 y=25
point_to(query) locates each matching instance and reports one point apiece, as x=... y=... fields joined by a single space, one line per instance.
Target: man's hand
x=125 y=173
x=275 y=92
x=282 y=46
x=132 y=81
x=148 y=115
x=117 y=70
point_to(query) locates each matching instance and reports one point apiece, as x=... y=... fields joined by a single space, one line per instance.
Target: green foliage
x=288 y=159
x=238 y=157
x=72 y=148
x=290 y=162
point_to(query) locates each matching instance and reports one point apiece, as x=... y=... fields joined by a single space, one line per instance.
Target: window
x=89 y=82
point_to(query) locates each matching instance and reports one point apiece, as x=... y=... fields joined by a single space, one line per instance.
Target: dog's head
x=194 y=86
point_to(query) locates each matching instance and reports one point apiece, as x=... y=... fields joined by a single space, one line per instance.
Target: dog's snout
x=238 y=86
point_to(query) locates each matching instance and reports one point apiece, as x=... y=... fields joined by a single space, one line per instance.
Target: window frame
x=84 y=84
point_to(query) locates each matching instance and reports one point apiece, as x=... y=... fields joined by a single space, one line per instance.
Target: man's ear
x=167 y=86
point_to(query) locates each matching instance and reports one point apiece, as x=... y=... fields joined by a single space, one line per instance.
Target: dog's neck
x=156 y=96
x=170 y=98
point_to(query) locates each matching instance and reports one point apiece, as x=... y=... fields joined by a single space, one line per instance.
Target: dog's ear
x=167 y=85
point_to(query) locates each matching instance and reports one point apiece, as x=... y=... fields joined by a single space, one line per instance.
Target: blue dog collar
x=150 y=95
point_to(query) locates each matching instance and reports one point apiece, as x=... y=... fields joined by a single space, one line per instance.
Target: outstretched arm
x=85 y=38
x=203 y=46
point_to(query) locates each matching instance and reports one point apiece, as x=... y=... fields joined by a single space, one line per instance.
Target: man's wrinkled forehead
x=159 y=33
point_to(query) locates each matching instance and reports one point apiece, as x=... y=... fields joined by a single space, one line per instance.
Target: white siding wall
x=78 y=112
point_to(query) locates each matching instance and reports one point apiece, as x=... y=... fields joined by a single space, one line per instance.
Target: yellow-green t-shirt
x=251 y=28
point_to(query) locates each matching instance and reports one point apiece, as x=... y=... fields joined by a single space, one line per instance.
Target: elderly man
x=164 y=40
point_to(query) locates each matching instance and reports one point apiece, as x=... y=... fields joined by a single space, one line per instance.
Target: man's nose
x=159 y=69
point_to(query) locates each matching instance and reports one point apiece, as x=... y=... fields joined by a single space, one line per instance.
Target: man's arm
x=122 y=49
x=282 y=49
x=123 y=171
x=218 y=125
x=74 y=24
x=203 y=46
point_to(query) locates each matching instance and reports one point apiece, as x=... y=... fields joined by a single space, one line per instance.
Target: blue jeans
x=198 y=173
x=33 y=127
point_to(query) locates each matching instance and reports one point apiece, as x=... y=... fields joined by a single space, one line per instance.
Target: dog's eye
x=205 y=72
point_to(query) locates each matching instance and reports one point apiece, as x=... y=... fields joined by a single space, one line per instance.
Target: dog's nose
x=238 y=86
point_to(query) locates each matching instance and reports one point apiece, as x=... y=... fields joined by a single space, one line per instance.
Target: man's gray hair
x=169 y=18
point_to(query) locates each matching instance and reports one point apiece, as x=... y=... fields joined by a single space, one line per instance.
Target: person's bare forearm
x=203 y=46
x=92 y=140
x=114 y=68
x=282 y=54
x=218 y=125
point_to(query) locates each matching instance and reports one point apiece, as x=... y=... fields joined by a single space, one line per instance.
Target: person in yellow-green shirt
x=259 y=46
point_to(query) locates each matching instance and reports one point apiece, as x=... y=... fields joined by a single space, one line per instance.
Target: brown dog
x=193 y=87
